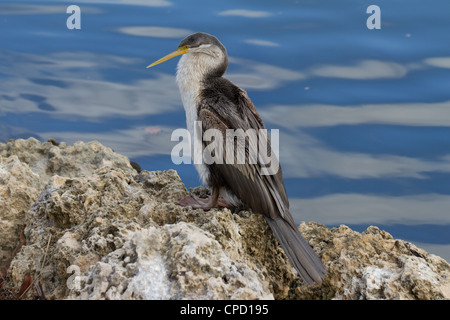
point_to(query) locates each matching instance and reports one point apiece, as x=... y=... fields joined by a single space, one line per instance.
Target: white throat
x=191 y=71
x=189 y=79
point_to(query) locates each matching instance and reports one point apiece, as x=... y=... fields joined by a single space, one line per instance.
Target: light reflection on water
x=364 y=114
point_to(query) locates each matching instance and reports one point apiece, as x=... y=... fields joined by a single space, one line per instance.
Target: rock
x=373 y=265
x=98 y=229
x=19 y=189
x=52 y=158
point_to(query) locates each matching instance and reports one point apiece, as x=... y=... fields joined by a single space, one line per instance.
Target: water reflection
x=264 y=43
x=439 y=62
x=260 y=76
x=39 y=9
x=139 y=141
x=360 y=209
x=405 y=114
x=73 y=86
x=303 y=156
x=155 y=32
x=145 y=3
x=368 y=69
x=245 y=13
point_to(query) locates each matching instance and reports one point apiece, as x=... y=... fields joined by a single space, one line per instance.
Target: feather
x=224 y=106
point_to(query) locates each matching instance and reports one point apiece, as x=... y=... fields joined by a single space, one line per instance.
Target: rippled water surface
x=364 y=115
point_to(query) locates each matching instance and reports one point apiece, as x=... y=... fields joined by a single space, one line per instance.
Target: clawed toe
x=202 y=203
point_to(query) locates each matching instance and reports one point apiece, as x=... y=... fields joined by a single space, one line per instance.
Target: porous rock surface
x=95 y=228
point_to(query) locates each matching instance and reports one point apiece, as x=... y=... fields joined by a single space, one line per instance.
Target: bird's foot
x=203 y=203
x=222 y=203
x=191 y=201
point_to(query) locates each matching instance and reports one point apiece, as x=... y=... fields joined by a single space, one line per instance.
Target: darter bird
x=217 y=103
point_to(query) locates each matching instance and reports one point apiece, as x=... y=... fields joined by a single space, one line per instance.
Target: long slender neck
x=192 y=70
x=190 y=76
x=195 y=68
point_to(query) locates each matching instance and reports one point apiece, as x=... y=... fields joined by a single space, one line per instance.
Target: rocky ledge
x=79 y=222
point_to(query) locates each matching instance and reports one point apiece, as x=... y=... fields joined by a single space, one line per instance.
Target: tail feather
x=298 y=250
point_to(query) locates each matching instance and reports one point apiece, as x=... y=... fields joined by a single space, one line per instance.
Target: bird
x=217 y=103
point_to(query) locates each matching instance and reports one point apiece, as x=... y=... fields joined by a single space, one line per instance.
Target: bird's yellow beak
x=180 y=50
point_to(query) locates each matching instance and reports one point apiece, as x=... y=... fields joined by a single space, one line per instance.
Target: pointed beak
x=180 y=50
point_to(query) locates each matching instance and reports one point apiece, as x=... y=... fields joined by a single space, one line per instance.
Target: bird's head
x=204 y=50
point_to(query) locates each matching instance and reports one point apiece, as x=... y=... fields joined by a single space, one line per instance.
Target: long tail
x=298 y=250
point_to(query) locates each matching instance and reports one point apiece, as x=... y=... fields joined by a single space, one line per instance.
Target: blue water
x=364 y=115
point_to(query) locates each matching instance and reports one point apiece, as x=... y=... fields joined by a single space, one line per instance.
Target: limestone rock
x=19 y=189
x=373 y=265
x=50 y=158
x=27 y=165
x=98 y=229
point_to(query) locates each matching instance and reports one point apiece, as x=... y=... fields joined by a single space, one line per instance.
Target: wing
x=265 y=194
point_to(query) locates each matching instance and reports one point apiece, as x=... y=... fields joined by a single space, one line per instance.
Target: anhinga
x=219 y=104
